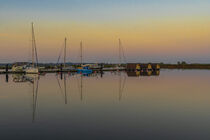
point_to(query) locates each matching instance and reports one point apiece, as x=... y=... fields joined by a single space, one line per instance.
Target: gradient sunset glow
x=150 y=30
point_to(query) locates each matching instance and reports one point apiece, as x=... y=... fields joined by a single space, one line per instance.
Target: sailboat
x=65 y=68
x=84 y=69
x=33 y=68
x=121 y=56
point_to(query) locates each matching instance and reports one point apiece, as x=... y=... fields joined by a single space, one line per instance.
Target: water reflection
x=122 y=81
x=62 y=82
x=64 y=86
x=80 y=79
x=7 y=78
x=144 y=73
x=116 y=104
x=34 y=79
x=80 y=85
x=19 y=78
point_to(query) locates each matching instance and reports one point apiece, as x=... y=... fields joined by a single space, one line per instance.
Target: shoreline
x=186 y=66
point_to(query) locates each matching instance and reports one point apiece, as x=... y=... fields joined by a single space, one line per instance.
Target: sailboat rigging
x=83 y=69
x=64 y=67
x=33 y=68
x=121 y=55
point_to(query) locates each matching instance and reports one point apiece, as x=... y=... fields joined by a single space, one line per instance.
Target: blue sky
x=101 y=9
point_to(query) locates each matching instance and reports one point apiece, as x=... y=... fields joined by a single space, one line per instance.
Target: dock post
x=101 y=69
x=7 y=78
x=61 y=68
x=6 y=68
x=61 y=72
x=101 y=66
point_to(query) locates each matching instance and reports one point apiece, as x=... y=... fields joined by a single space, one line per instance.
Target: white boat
x=33 y=68
x=69 y=68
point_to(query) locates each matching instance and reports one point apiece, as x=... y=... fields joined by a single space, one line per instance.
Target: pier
x=58 y=70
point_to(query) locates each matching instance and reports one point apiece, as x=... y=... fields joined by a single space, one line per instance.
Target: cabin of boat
x=84 y=69
x=32 y=70
x=155 y=67
x=19 y=66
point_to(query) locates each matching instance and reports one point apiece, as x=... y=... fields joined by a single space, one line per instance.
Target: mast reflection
x=35 y=85
x=122 y=81
x=64 y=93
x=80 y=85
x=7 y=78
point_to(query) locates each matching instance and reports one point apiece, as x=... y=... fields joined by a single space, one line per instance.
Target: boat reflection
x=80 y=84
x=33 y=80
x=21 y=78
x=35 y=87
x=81 y=79
x=64 y=93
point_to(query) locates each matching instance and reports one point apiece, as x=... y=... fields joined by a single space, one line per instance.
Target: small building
x=146 y=67
x=142 y=67
x=155 y=67
x=133 y=67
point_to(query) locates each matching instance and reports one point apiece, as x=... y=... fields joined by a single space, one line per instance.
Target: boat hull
x=86 y=71
x=32 y=71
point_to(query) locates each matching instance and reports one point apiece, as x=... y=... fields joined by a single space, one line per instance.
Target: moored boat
x=83 y=69
x=33 y=68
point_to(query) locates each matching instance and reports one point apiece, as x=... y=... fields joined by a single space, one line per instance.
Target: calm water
x=173 y=105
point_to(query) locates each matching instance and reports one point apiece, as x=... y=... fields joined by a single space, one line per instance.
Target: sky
x=151 y=30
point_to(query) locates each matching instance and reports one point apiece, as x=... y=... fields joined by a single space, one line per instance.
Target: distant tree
x=184 y=63
x=161 y=63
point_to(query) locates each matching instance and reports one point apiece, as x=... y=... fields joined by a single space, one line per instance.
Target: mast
x=64 y=61
x=34 y=50
x=120 y=58
x=32 y=44
x=81 y=60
